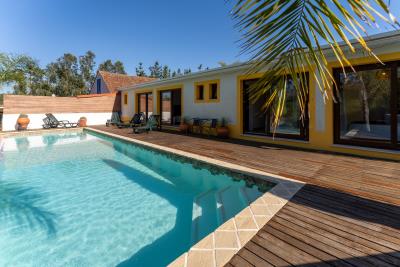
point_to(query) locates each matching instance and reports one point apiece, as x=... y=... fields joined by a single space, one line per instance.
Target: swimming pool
x=83 y=199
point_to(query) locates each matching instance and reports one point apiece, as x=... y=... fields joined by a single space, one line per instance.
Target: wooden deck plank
x=266 y=255
x=384 y=244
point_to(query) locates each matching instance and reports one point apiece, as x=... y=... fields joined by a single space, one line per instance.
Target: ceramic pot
x=23 y=123
x=223 y=132
x=183 y=127
x=82 y=122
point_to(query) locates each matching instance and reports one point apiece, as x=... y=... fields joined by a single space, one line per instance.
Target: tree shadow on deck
x=348 y=206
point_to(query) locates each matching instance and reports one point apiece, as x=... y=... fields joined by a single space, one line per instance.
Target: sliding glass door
x=368 y=109
x=145 y=104
x=171 y=106
x=258 y=121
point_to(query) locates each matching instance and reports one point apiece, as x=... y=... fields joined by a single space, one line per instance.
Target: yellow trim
x=207 y=92
x=318 y=140
x=197 y=92
x=125 y=118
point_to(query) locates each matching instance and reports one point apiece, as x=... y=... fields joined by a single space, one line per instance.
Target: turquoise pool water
x=83 y=199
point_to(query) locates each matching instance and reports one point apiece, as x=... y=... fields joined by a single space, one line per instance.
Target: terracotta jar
x=23 y=122
x=82 y=122
x=223 y=132
x=184 y=127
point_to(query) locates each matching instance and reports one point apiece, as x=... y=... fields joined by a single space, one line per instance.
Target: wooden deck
x=368 y=178
x=347 y=215
x=321 y=227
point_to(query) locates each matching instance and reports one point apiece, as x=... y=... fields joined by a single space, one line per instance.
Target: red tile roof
x=116 y=80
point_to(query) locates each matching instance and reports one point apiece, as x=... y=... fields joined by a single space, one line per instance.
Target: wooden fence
x=21 y=104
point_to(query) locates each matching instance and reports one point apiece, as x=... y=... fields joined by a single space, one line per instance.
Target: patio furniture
x=151 y=124
x=196 y=125
x=52 y=122
x=209 y=126
x=115 y=118
x=137 y=120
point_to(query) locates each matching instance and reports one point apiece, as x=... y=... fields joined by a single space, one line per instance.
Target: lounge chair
x=52 y=122
x=151 y=124
x=137 y=120
x=115 y=119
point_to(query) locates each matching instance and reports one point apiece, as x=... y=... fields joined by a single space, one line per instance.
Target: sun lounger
x=52 y=122
x=151 y=124
x=137 y=120
x=115 y=119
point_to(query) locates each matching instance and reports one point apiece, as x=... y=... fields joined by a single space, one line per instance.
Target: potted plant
x=184 y=126
x=23 y=122
x=222 y=129
x=82 y=121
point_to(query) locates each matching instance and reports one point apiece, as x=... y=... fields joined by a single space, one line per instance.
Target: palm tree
x=286 y=36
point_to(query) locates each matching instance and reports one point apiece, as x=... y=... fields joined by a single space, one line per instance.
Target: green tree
x=187 y=71
x=64 y=76
x=107 y=66
x=166 y=72
x=86 y=65
x=156 y=70
x=286 y=36
x=140 y=70
x=22 y=71
x=117 y=67
x=200 y=67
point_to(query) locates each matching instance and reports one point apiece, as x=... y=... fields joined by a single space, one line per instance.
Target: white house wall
x=225 y=108
x=36 y=120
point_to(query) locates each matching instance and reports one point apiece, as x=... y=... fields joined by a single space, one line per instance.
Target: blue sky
x=180 y=33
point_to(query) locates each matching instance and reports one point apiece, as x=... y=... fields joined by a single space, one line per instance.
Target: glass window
x=166 y=107
x=145 y=104
x=125 y=99
x=365 y=111
x=98 y=86
x=289 y=123
x=214 y=91
x=149 y=104
x=259 y=121
x=398 y=105
x=142 y=103
x=171 y=107
x=200 y=92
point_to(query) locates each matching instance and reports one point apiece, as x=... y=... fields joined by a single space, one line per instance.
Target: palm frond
x=285 y=38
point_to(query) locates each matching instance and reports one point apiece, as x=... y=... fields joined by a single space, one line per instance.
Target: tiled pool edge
x=39 y=132
x=219 y=247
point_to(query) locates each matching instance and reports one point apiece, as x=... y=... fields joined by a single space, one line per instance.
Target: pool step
x=230 y=200
x=214 y=207
x=204 y=216
x=250 y=194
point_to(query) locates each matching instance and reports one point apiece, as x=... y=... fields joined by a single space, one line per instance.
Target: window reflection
x=365 y=105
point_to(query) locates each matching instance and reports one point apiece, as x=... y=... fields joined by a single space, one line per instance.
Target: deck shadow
x=324 y=227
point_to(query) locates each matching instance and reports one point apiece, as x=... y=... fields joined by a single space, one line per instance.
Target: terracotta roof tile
x=116 y=80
